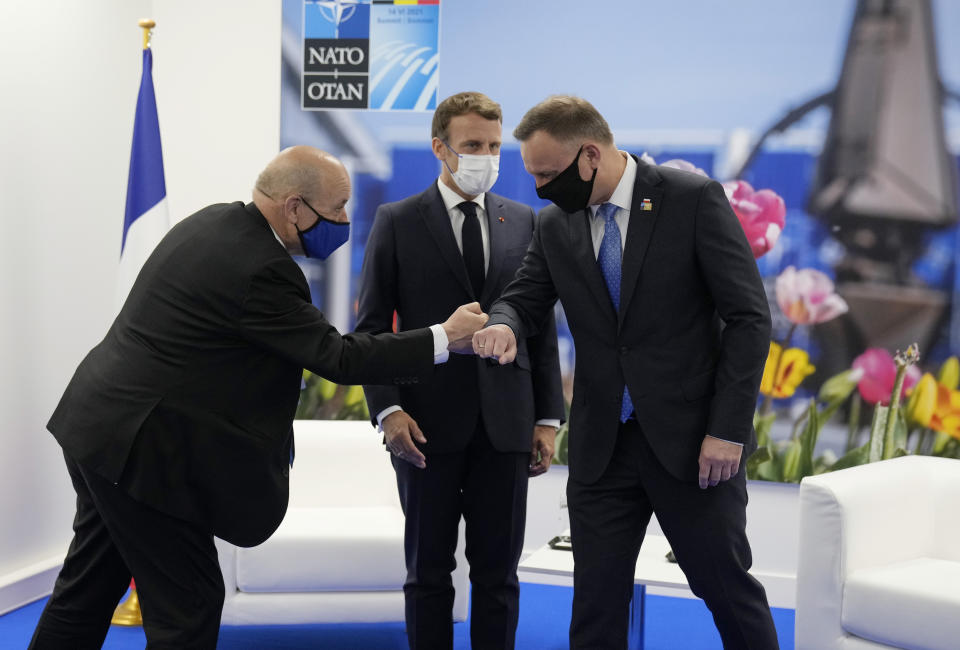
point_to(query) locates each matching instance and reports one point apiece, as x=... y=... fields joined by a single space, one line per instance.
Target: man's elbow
x=765 y=323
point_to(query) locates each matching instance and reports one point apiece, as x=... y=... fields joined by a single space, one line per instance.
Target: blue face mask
x=323 y=237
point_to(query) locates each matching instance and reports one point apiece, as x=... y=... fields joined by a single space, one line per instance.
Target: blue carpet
x=672 y=624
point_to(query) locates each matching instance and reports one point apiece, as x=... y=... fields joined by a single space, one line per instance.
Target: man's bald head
x=297 y=175
x=299 y=170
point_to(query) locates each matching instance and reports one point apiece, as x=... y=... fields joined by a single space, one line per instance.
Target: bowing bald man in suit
x=178 y=425
x=671 y=328
x=465 y=441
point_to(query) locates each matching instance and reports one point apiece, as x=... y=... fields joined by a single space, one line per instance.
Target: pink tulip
x=683 y=165
x=880 y=373
x=807 y=297
x=761 y=214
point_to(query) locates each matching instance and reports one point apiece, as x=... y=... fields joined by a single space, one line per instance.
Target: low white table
x=652 y=569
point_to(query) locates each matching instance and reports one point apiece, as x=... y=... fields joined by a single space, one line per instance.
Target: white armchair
x=879 y=563
x=338 y=555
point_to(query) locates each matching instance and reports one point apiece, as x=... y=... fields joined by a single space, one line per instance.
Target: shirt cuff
x=730 y=441
x=549 y=422
x=385 y=412
x=440 y=342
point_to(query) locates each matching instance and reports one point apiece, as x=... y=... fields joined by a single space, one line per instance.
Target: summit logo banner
x=370 y=54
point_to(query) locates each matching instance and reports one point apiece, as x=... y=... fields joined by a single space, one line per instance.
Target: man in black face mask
x=671 y=327
x=178 y=425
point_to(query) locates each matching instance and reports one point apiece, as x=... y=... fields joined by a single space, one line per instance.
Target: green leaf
x=940 y=441
x=829 y=410
x=763 y=424
x=792 y=462
x=824 y=462
x=326 y=388
x=877 y=432
x=900 y=451
x=858 y=456
x=771 y=471
x=900 y=432
x=561 y=445
x=354 y=395
x=757 y=458
x=896 y=436
x=949 y=449
x=838 y=388
x=808 y=440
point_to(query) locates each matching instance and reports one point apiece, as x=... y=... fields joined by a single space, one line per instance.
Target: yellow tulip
x=949 y=374
x=935 y=405
x=791 y=369
x=923 y=400
x=946 y=417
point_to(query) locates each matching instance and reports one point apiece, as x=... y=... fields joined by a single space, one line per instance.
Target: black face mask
x=567 y=190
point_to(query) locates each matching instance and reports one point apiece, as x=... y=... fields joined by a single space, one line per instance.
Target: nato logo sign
x=371 y=54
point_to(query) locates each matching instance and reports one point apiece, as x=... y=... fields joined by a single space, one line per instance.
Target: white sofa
x=879 y=563
x=338 y=555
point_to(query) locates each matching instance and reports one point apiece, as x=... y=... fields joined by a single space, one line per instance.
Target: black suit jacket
x=693 y=330
x=188 y=402
x=413 y=266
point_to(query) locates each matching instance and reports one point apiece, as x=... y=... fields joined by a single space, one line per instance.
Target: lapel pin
x=501 y=219
x=646 y=205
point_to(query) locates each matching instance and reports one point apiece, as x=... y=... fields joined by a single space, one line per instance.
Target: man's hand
x=542 y=454
x=400 y=430
x=461 y=325
x=497 y=341
x=719 y=460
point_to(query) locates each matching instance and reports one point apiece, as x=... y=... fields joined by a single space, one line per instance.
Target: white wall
x=217 y=76
x=70 y=73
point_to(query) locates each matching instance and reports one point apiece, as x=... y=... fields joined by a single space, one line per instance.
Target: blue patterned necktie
x=611 y=251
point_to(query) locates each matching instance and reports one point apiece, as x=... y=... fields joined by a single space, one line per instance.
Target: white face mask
x=475 y=174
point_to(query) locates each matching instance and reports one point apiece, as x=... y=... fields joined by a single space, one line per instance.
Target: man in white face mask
x=466 y=441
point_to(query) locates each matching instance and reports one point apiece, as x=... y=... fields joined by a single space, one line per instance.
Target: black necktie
x=472 y=246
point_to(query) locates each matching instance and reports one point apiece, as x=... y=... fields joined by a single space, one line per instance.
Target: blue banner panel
x=374 y=54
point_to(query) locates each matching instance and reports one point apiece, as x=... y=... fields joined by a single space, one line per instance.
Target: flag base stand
x=128 y=612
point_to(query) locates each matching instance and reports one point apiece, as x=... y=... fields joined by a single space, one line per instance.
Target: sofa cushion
x=328 y=549
x=909 y=604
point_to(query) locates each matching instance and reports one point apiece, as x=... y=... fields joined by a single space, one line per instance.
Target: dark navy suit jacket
x=412 y=266
x=691 y=336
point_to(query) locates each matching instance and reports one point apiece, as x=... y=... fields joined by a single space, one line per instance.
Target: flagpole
x=147 y=26
x=128 y=612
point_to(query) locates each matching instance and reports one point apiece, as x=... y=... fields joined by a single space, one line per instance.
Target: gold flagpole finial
x=146 y=25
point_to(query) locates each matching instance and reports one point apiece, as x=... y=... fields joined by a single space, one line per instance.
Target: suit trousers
x=115 y=537
x=705 y=528
x=489 y=488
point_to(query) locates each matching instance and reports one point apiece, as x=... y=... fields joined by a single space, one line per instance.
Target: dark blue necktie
x=611 y=252
x=472 y=242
